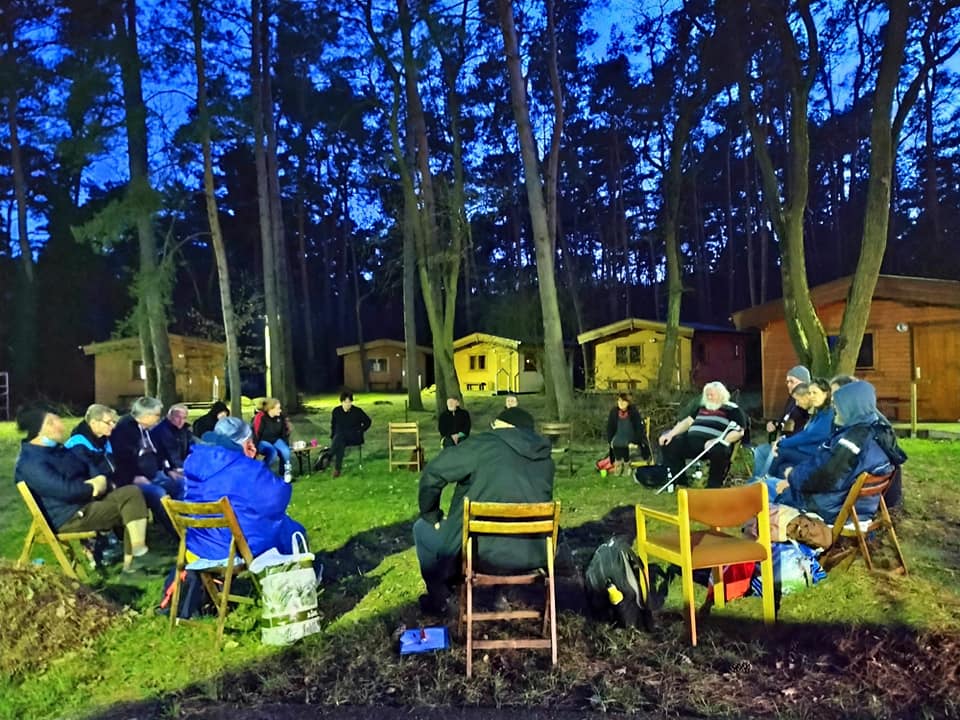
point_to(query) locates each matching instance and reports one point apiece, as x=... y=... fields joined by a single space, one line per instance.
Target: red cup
x=313 y=443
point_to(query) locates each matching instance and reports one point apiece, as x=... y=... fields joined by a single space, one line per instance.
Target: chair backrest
x=495 y=518
x=209 y=515
x=31 y=502
x=403 y=429
x=725 y=507
x=866 y=485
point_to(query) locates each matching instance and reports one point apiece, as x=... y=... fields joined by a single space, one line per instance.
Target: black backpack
x=324 y=459
x=616 y=585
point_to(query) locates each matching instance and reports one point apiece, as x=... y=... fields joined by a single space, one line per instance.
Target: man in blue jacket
x=821 y=483
x=222 y=465
x=73 y=495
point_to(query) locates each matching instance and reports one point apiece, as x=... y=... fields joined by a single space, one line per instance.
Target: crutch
x=731 y=427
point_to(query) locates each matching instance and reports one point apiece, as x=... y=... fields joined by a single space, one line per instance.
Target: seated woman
x=223 y=465
x=801 y=446
x=625 y=428
x=821 y=483
x=74 y=495
x=91 y=438
x=271 y=435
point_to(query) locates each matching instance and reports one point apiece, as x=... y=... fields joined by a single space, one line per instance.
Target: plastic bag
x=288 y=586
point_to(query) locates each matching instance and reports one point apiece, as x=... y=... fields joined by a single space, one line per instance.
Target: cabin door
x=936 y=352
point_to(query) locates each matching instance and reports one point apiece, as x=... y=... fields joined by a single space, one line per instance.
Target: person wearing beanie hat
x=223 y=464
x=508 y=463
x=73 y=494
x=792 y=420
x=799 y=373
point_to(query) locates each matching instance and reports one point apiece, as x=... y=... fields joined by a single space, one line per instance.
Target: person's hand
x=99 y=485
x=665 y=439
x=632 y=446
x=786 y=473
x=175 y=474
x=775 y=447
x=771 y=426
x=456 y=439
x=782 y=486
x=140 y=480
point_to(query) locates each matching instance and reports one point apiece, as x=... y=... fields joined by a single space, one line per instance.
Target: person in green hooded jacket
x=509 y=463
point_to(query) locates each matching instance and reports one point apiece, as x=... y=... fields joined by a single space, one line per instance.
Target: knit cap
x=234 y=428
x=800 y=373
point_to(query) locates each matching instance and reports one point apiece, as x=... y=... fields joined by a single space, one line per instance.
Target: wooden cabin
x=497 y=364
x=199 y=366
x=387 y=363
x=913 y=329
x=723 y=353
x=626 y=354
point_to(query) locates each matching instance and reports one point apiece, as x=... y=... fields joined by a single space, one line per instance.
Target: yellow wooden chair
x=531 y=520
x=690 y=548
x=560 y=435
x=61 y=544
x=849 y=524
x=652 y=460
x=403 y=438
x=212 y=571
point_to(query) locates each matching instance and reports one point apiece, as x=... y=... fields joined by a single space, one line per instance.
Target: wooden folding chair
x=849 y=525
x=531 y=520
x=60 y=544
x=404 y=439
x=211 y=515
x=652 y=460
x=560 y=435
x=710 y=548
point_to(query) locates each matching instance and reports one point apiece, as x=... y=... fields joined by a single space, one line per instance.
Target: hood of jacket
x=221 y=441
x=83 y=435
x=856 y=404
x=525 y=443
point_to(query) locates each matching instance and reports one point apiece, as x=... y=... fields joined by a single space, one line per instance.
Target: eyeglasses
x=108 y=421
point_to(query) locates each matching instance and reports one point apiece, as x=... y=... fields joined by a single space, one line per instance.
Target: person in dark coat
x=625 y=428
x=91 y=439
x=206 y=422
x=348 y=423
x=271 y=435
x=453 y=423
x=73 y=495
x=821 y=483
x=714 y=424
x=223 y=465
x=173 y=439
x=510 y=463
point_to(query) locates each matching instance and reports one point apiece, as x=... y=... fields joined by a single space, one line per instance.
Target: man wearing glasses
x=91 y=439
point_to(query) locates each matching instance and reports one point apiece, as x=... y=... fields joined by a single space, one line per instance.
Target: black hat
x=516 y=417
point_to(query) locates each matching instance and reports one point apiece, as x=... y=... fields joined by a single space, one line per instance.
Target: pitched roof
x=906 y=290
x=379 y=343
x=125 y=343
x=478 y=337
x=628 y=325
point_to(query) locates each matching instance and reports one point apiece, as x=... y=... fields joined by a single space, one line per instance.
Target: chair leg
x=28 y=544
x=769 y=592
x=224 y=600
x=57 y=549
x=861 y=539
x=462 y=613
x=689 y=609
x=719 y=590
x=175 y=602
x=893 y=534
x=469 y=584
x=553 y=619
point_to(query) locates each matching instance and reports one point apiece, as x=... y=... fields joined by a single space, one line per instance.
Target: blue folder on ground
x=421 y=640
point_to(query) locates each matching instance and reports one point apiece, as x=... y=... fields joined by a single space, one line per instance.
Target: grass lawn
x=856 y=644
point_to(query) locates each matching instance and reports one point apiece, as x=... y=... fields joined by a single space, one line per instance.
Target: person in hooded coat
x=510 y=463
x=821 y=483
x=206 y=422
x=223 y=465
x=91 y=439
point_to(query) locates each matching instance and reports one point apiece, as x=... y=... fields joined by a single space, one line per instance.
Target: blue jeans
x=771 y=483
x=271 y=450
x=154 y=491
x=762 y=460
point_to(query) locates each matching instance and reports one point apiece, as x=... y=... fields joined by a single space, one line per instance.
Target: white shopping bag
x=288 y=588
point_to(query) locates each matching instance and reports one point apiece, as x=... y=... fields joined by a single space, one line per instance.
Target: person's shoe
x=336 y=473
x=430 y=605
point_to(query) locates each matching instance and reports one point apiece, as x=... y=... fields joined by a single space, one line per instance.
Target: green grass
x=360 y=523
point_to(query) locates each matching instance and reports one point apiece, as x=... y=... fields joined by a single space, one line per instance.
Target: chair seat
x=711 y=549
x=850 y=529
x=206 y=565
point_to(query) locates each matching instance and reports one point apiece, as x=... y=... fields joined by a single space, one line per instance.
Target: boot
x=618 y=468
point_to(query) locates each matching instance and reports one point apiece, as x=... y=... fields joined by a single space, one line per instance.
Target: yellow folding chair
x=691 y=549
x=404 y=439
x=530 y=520
x=210 y=515
x=849 y=524
x=60 y=544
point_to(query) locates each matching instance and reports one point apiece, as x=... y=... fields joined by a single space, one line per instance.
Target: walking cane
x=731 y=427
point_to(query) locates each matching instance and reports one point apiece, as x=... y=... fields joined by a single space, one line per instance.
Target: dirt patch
x=46 y=616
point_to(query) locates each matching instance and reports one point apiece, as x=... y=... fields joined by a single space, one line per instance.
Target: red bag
x=605 y=463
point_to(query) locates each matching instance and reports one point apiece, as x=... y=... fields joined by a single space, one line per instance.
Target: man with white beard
x=714 y=424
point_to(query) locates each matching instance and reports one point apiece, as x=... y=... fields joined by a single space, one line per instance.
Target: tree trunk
x=213 y=217
x=151 y=284
x=554 y=356
x=877 y=212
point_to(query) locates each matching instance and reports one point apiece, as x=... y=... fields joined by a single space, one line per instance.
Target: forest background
x=351 y=170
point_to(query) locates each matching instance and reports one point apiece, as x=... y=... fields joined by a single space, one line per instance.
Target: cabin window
x=865 y=359
x=137 y=370
x=629 y=354
x=529 y=362
x=377 y=365
x=478 y=362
